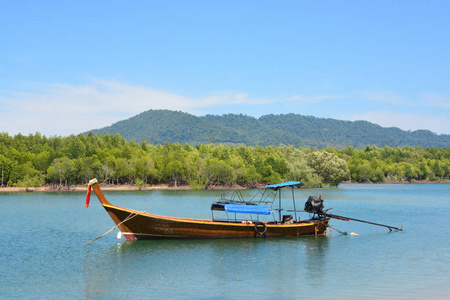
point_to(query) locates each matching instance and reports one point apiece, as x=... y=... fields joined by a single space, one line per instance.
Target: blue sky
x=70 y=66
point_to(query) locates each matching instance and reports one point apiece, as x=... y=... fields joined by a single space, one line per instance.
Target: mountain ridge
x=161 y=126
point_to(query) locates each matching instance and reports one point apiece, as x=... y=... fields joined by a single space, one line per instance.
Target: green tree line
x=374 y=164
x=36 y=160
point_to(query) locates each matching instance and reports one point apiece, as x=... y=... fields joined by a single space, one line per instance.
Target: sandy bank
x=164 y=187
x=83 y=188
x=126 y=187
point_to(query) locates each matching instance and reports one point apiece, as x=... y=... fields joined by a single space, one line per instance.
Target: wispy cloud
x=311 y=99
x=438 y=124
x=230 y=98
x=384 y=96
x=64 y=109
x=435 y=100
x=61 y=109
x=430 y=100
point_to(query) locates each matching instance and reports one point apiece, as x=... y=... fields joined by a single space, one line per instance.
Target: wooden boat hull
x=147 y=226
x=137 y=225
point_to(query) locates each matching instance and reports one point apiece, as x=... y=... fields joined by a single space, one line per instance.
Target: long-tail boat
x=137 y=225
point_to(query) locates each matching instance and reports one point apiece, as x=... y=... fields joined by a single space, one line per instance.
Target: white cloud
x=384 y=96
x=310 y=99
x=437 y=124
x=435 y=100
x=229 y=98
x=62 y=109
x=430 y=100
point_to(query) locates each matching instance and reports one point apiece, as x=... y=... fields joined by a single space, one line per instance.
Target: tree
x=88 y=168
x=25 y=175
x=5 y=168
x=42 y=160
x=61 y=169
x=145 y=168
x=175 y=171
x=108 y=167
x=216 y=172
x=123 y=171
x=327 y=165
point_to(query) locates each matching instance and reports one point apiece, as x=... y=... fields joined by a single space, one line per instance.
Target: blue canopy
x=283 y=184
x=247 y=209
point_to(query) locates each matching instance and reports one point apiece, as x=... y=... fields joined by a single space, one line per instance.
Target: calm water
x=44 y=255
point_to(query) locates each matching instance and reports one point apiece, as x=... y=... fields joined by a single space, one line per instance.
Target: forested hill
x=161 y=126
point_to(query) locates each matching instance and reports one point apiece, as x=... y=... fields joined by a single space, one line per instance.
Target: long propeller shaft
x=352 y=219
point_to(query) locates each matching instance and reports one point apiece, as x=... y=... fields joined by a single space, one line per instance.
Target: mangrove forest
x=37 y=160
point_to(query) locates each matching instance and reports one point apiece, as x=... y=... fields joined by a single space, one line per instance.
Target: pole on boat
x=293 y=200
x=348 y=219
x=279 y=204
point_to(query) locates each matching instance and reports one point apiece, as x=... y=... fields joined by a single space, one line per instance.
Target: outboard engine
x=314 y=205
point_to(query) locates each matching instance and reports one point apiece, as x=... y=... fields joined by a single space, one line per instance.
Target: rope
x=130 y=216
x=341 y=232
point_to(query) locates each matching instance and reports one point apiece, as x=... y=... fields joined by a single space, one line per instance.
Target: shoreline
x=165 y=187
x=83 y=188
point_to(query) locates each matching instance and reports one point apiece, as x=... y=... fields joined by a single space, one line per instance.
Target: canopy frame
x=236 y=203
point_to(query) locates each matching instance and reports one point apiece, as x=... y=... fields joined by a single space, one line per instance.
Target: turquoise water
x=44 y=253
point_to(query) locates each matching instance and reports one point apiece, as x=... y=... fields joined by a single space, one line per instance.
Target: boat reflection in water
x=176 y=268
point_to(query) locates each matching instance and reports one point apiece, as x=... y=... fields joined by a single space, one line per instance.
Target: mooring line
x=130 y=216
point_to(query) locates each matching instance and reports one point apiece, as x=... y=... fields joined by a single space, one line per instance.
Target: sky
x=70 y=66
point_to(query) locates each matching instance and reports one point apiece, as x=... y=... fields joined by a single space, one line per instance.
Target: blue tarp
x=247 y=209
x=283 y=184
